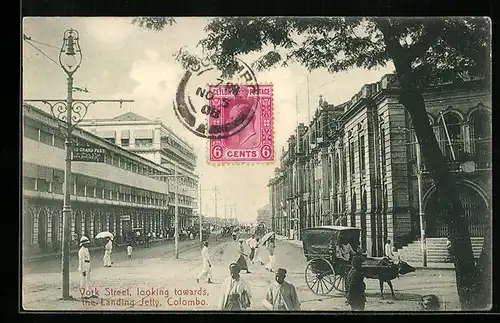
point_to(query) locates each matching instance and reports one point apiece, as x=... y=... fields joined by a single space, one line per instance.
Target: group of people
x=235 y=292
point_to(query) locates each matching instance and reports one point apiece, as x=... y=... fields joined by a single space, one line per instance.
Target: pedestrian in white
x=258 y=252
x=107 y=253
x=207 y=264
x=271 y=265
x=129 y=251
x=388 y=249
x=252 y=243
x=86 y=288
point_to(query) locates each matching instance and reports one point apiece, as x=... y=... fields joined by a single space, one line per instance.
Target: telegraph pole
x=176 y=214
x=215 y=193
x=225 y=212
x=175 y=176
x=201 y=218
x=71 y=112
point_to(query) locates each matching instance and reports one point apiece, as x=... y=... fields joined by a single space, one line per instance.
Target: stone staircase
x=436 y=250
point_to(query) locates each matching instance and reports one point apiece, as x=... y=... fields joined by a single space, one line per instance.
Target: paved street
x=154 y=280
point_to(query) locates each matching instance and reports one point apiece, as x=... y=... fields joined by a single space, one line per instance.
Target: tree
x=424 y=52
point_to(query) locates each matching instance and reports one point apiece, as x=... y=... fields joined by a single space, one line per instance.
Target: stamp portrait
x=255 y=142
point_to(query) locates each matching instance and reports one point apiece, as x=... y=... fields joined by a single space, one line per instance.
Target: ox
x=385 y=271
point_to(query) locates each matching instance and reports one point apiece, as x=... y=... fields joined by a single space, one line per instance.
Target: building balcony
x=90 y=200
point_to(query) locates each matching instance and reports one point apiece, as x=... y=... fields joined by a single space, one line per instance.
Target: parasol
x=104 y=234
x=266 y=237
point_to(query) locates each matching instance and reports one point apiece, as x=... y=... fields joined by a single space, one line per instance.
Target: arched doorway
x=481 y=132
x=77 y=234
x=42 y=229
x=56 y=226
x=27 y=226
x=87 y=222
x=475 y=208
x=353 y=208
x=363 y=220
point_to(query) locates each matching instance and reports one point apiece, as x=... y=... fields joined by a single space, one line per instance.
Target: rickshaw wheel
x=339 y=283
x=320 y=276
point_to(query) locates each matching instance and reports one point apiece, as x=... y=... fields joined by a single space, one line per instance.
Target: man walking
x=258 y=252
x=252 y=243
x=355 y=286
x=235 y=293
x=107 y=253
x=388 y=250
x=281 y=295
x=207 y=265
x=86 y=288
x=270 y=248
x=241 y=261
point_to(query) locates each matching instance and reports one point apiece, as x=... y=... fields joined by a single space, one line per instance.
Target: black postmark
x=198 y=82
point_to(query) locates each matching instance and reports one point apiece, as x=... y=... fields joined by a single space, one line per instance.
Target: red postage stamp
x=252 y=108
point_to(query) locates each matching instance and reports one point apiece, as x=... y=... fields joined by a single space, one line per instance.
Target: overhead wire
x=28 y=41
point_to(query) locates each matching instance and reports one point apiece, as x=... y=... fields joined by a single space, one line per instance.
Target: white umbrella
x=266 y=237
x=104 y=234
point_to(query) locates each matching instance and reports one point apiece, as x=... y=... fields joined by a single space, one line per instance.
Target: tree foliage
x=153 y=23
x=424 y=51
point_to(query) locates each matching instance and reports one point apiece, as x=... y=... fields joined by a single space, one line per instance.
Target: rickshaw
x=324 y=271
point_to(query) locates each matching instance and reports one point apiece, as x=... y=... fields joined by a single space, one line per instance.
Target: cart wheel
x=339 y=283
x=320 y=276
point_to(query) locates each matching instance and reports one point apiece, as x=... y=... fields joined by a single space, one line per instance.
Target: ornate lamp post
x=70 y=59
x=71 y=112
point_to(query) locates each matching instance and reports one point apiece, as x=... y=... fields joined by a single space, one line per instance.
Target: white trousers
x=257 y=256
x=206 y=271
x=271 y=265
x=86 y=287
x=107 y=258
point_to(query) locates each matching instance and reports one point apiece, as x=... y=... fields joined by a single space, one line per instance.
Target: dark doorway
x=353 y=209
x=56 y=227
x=476 y=212
x=42 y=229
x=363 y=220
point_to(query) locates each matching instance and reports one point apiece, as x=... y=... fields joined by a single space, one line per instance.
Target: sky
x=122 y=61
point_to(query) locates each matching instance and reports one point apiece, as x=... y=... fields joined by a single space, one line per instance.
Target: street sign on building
x=89 y=154
x=124 y=217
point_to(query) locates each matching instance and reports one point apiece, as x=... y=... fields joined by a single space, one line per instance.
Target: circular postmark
x=213 y=107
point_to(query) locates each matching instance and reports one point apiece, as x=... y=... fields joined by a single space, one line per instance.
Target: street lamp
x=71 y=112
x=70 y=58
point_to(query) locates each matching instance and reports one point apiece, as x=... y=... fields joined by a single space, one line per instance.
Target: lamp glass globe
x=70 y=61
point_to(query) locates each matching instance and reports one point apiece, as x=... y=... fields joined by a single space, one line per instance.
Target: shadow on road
x=399 y=296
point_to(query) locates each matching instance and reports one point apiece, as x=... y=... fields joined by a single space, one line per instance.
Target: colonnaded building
x=124 y=192
x=356 y=164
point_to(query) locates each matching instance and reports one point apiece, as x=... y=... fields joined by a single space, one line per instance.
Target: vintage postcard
x=256 y=164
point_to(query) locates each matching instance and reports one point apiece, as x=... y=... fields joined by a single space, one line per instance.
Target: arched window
x=336 y=168
x=480 y=130
x=353 y=208
x=450 y=136
x=330 y=179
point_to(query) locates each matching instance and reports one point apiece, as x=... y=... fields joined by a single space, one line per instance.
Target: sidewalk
x=49 y=255
x=430 y=265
